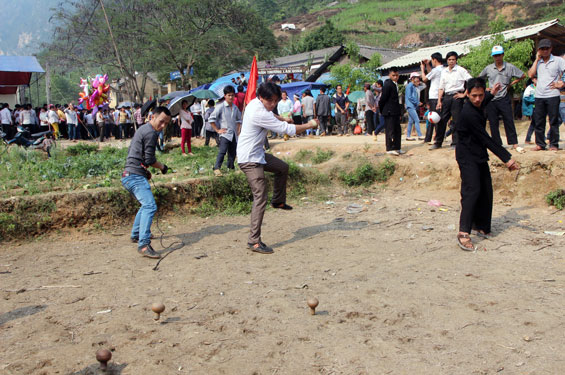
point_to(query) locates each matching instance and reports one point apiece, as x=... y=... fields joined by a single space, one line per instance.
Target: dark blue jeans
x=72 y=130
x=228 y=147
x=139 y=186
x=547 y=107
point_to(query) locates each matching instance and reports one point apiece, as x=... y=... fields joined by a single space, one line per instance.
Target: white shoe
x=394 y=153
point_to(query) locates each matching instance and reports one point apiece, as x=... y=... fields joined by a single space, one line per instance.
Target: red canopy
x=16 y=71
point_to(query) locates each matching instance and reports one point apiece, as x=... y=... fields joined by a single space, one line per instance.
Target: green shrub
x=556 y=198
x=366 y=173
x=322 y=156
x=81 y=149
x=303 y=155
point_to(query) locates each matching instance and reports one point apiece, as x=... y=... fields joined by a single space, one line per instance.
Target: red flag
x=252 y=84
x=347 y=92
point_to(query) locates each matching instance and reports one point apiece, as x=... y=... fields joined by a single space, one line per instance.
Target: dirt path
x=396 y=294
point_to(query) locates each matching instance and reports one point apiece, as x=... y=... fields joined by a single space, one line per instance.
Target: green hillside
x=414 y=23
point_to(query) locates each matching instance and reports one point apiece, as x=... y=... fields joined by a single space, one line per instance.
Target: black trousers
x=547 y=107
x=370 y=122
x=431 y=127
x=393 y=133
x=476 y=197
x=502 y=107
x=228 y=147
x=450 y=107
x=197 y=125
x=210 y=134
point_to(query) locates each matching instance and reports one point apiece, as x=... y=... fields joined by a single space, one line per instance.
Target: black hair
x=308 y=92
x=450 y=54
x=161 y=109
x=211 y=103
x=240 y=88
x=380 y=82
x=229 y=90
x=476 y=83
x=394 y=69
x=322 y=90
x=367 y=86
x=338 y=86
x=183 y=101
x=284 y=92
x=243 y=75
x=269 y=91
x=437 y=56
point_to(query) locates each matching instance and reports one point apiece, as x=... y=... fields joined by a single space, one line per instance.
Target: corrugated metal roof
x=463 y=46
x=27 y=64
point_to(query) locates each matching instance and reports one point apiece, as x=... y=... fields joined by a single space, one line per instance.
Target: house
x=552 y=30
x=314 y=63
x=15 y=76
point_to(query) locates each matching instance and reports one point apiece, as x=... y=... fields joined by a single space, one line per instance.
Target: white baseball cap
x=497 y=50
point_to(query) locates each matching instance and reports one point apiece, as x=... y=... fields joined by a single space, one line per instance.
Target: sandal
x=465 y=245
x=147 y=251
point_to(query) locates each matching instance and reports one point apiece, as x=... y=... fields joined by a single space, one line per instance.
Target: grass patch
x=451 y=23
x=556 y=198
x=228 y=195
x=322 y=156
x=366 y=174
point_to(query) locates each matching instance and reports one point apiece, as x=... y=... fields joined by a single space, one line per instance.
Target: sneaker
x=260 y=248
x=421 y=138
x=401 y=152
x=218 y=173
x=136 y=240
x=148 y=252
x=410 y=139
x=394 y=153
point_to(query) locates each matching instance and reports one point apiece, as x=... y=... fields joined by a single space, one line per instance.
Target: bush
x=81 y=149
x=322 y=156
x=365 y=174
x=556 y=198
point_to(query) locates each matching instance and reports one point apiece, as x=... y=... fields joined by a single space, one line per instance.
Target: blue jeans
x=72 y=131
x=562 y=112
x=139 y=186
x=413 y=120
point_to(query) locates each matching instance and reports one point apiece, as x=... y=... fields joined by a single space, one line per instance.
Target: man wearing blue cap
x=502 y=72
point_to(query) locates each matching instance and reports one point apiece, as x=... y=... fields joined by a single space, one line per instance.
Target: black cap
x=544 y=43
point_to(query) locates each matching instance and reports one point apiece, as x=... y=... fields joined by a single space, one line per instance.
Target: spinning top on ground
x=157 y=308
x=103 y=356
x=312 y=303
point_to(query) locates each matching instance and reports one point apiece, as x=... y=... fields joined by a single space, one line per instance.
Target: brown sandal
x=465 y=245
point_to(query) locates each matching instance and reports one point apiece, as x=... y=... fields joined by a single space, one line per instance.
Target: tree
x=350 y=75
x=322 y=37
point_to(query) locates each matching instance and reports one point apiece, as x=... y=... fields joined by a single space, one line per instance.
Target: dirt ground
x=396 y=294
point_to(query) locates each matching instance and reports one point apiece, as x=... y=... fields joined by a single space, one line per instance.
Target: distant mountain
x=25 y=25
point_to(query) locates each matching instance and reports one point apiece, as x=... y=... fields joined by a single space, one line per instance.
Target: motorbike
x=25 y=139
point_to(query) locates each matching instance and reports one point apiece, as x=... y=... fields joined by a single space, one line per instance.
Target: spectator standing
x=43 y=119
x=6 y=121
x=412 y=100
x=450 y=98
x=72 y=122
x=138 y=119
x=239 y=98
x=528 y=100
x=53 y=120
x=308 y=108
x=186 y=121
x=122 y=127
x=323 y=112
x=100 y=124
x=62 y=119
x=26 y=120
x=432 y=76
x=91 y=125
x=210 y=132
x=296 y=110
x=226 y=121
x=370 y=110
x=341 y=102
x=548 y=69
x=502 y=72
x=196 y=110
x=390 y=107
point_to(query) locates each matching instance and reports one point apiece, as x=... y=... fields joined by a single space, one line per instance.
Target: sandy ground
x=396 y=294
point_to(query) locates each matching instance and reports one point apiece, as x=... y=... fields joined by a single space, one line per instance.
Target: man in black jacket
x=472 y=157
x=390 y=109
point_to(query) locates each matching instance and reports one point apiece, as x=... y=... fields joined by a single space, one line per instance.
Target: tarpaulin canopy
x=16 y=71
x=299 y=87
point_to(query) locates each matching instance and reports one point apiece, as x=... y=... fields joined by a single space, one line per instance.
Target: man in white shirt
x=433 y=76
x=548 y=69
x=253 y=161
x=451 y=94
x=196 y=110
x=72 y=122
x=53 y=119
x=6 y=120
